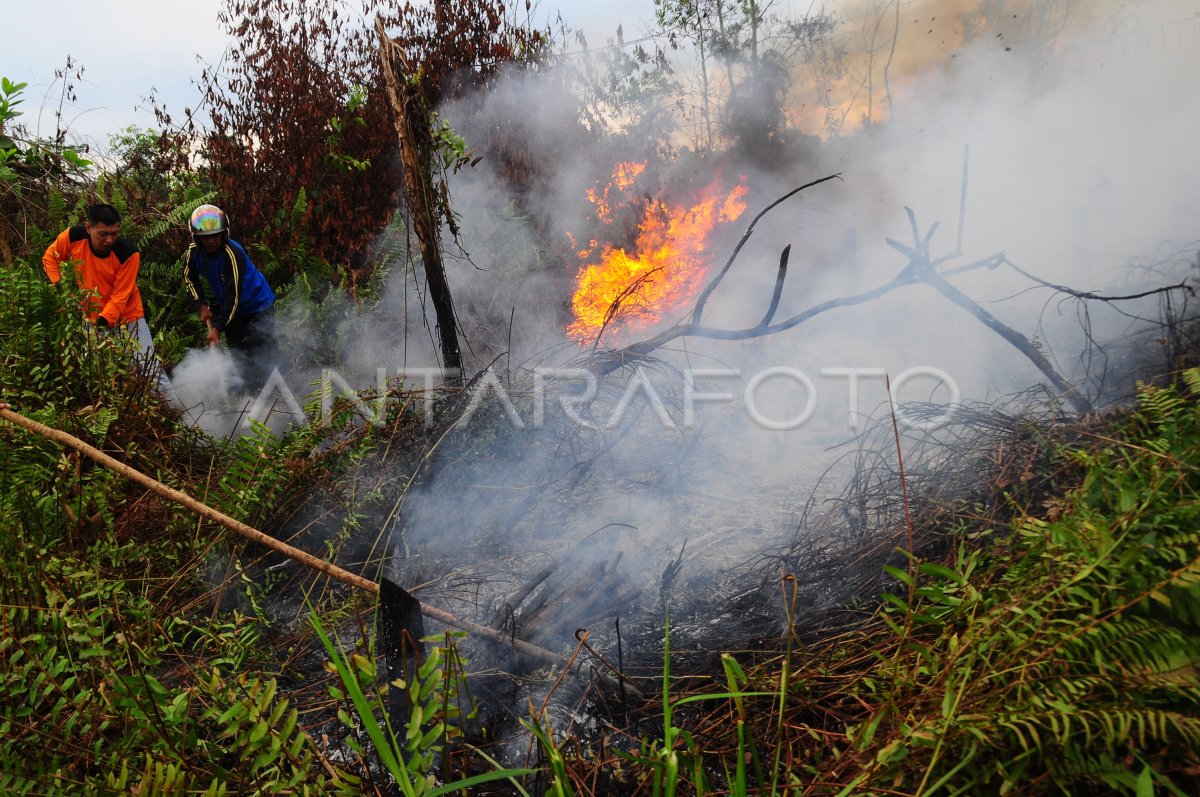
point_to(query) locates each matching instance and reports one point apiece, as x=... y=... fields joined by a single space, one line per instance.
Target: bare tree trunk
x=887 y=86
x=752 y=9
x=704 y=99
x=412 y=130
x=728 y=57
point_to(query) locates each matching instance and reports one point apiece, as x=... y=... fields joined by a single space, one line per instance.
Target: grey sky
x=131 y=47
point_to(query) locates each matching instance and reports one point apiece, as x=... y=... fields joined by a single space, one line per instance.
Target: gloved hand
x=102 y=322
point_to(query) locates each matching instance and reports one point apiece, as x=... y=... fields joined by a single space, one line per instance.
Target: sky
x=135 y=47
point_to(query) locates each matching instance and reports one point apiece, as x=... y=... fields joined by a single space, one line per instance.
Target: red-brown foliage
x=281 y=119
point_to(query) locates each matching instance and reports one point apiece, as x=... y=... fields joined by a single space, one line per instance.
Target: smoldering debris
x=215 y=396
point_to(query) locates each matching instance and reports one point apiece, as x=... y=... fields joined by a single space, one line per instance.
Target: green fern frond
x=300 y=206
x=175 y=217
x=1191 y=378
x=167 y=779
x=1160 y=403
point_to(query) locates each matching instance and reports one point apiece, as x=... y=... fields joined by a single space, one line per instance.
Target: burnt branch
x=615 y=307
x=922 y=268
x=712 y=285
x=1019 y=341
x=779 y=278
x=1098 y=297
x=608 y=362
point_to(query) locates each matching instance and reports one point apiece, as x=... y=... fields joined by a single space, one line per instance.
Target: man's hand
x=214 y=337
x=205 y=314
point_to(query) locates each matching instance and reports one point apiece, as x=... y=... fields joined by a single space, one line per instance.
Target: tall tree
x=876 y=30
x=814 y=50
x=623 y=90
x=754 y=120
x=449 y=50
x=742 y=101
x=689 y=19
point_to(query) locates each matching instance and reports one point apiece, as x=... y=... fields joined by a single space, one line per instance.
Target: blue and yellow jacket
x=238 y=288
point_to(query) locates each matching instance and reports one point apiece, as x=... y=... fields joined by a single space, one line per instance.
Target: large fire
x=664 y=268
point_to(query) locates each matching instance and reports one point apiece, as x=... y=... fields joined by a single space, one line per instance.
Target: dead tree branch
x=712 y=285
x=1099 y=297
x=779 y=278
x=1019 y=341
x=922 y=268
x=607 y=362
x=414 y=138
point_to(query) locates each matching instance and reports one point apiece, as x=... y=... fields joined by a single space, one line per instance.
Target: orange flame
x=636 y=289
x=622 y=179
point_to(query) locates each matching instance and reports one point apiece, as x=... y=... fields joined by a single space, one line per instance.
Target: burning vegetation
x=636 y=287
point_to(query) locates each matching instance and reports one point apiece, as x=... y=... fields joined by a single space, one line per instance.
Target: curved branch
x=779 y=278
x=611 y=361
x=1097 y=296
x=712 y=285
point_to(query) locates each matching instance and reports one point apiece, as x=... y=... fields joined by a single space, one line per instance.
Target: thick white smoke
x=1079 y=160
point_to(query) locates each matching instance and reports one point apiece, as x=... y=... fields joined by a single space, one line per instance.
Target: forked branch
x=922 y=268
x=698 y=311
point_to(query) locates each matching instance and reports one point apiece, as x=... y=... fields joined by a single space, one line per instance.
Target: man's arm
x=195 y=285
x=56 y=254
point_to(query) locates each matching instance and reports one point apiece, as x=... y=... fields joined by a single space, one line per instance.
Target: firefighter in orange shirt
x=107 y=264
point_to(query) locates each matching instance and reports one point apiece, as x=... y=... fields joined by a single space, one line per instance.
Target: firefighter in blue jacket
x=241 y=296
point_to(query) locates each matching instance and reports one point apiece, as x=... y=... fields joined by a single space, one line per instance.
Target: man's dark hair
x=103 y=214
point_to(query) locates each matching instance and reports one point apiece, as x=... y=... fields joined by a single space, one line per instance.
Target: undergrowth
x=117 y=673
x=1057 y=655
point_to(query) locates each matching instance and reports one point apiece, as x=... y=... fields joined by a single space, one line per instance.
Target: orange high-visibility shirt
x=114 y=277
